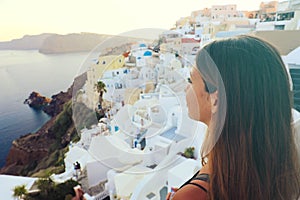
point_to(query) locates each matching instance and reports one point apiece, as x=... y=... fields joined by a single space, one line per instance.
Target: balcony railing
x=101 y=195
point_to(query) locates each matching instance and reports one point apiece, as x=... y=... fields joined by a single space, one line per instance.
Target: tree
x=45 y=186
x=20 y=191
x=48 y=190
x=100 y=88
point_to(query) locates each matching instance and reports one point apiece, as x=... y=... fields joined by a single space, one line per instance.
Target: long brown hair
x=255 y=156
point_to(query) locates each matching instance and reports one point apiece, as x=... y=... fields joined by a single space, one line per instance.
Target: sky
x=31 y=17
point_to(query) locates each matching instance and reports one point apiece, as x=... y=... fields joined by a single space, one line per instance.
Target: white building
x=286 y=18
x=293 y=62
x=8 y=183
x=141 y=54
x=224 y=12
x=172 y=41
x=95 y=72
x=190 y=44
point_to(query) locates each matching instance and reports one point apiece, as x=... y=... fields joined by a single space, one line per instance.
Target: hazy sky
x=19 y=17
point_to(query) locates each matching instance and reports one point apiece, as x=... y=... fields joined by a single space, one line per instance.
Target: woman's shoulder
x=196 y=188
x=192 y=191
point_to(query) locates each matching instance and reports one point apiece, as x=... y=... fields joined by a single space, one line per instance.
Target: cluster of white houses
x=146 y=128
x=271 y=15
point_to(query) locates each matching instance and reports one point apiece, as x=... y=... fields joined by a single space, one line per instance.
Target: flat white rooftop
x=8 y=183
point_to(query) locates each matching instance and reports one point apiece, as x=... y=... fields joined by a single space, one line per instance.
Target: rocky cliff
x=38 y=151
x=28 y=42
x=37 y=101
x=52 y=106
x=76 y=42
x=54 y=43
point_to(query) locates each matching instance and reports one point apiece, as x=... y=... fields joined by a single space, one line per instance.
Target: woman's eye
x=189 y=80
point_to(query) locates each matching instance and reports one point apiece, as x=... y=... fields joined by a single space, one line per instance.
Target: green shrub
x=51 y=191
x=189 y=152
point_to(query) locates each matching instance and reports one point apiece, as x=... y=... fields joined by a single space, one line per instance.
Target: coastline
x=21 y=72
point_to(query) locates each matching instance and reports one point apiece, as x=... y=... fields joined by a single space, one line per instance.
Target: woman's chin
x=193 y=117
x=198 y=119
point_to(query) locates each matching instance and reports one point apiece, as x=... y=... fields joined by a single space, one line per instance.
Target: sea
x=22 y=72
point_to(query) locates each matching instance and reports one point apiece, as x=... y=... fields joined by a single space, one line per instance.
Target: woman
x=240 y=89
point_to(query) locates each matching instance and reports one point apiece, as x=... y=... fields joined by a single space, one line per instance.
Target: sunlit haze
x=18 y=18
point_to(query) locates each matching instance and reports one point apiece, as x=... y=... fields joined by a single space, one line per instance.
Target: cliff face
x=71 y=43
x=36 y=151
x=57 y=102
x=27 y=151
x=54 y=43
x=28 y=42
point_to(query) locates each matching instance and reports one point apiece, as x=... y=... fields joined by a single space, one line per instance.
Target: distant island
x=49 y=43
x=27 y=42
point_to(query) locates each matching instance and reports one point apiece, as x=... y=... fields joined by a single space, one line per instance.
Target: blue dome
x=143 y=45
x=148 y=53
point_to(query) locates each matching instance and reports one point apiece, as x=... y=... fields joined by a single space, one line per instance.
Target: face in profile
x=197 y=98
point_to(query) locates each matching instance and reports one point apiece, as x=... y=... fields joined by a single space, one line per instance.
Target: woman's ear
x=214 y=102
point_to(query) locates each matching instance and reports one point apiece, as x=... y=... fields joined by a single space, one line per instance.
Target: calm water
x=22 y=72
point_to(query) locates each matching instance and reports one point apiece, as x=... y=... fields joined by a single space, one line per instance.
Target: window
x=150 y=195
x=279 y=27
x=285 y=16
